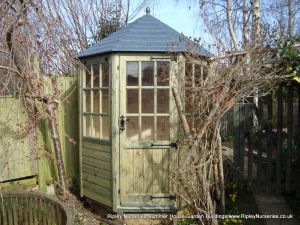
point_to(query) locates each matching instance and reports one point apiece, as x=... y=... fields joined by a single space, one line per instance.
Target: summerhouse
x=128 y=119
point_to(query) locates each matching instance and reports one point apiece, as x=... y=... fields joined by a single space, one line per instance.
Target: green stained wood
x=68 y=129
x=35 y=211
x=86 y=169
x=99 y=198
x=114 y=87
x=10 y=212
x=97 y=180
x=16 y=160
x=105 y=156
x=30 y=212
x=100 y=164
x=96 y=146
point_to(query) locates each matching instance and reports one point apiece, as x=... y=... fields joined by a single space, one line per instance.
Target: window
x=148 y=100
x=96 y=101
x=195 y=75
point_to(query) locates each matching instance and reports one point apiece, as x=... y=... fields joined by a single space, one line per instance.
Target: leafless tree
x=240 y=71
x=40 y=40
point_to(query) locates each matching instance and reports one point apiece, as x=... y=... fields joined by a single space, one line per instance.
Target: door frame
x=123 y=58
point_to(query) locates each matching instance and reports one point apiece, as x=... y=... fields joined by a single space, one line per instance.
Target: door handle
x=122 y=123
x=171 y=197
x=172 y=145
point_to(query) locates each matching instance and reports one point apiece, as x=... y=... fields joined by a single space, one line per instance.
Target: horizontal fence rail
x=267 y=142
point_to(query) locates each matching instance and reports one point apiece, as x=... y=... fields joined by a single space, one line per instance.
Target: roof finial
x=148 y=11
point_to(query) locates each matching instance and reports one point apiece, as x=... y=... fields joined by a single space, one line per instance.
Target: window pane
x=105 y=127
x=196 y=122
x=197 y=75
x=190 y=121
x=87 y=101
x=88 y=76
x=96 y=106
x=147 y=73
x=163 y=73
x=188 y=75
x=132 y=71
x=147 y=101
x=96 y=75
x=105 y=75
x=163 y=128
x=163 y=101
x=188 y=101
x=132 y=128
x=205 y=73
x=133 y=101
x=96 y=127
x=105 y=101
x=147 y=128
x=87 y=128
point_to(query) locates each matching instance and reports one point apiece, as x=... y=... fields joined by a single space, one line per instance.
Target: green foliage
x=231 y=204
x=110 y=22
x=227 y=137
x=187 y=220
x=290 y=55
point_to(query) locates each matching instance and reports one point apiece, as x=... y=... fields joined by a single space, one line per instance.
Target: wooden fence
x=18 y=160
x=32 y=208
x=267 y=156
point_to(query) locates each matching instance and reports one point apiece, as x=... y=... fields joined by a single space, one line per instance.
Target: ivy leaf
x=296 y=79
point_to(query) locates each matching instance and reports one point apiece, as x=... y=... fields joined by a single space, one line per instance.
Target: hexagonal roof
x=146 y=34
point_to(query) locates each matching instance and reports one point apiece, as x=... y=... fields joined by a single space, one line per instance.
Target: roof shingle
x=146 y=34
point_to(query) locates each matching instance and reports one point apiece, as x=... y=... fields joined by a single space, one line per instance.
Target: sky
x=181 y=15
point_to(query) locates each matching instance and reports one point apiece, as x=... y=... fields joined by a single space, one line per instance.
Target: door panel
x=146 y=104
x=145 y=174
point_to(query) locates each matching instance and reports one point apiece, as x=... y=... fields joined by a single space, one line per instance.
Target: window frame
x=192 y=114
x=155 y=87
x=92 y=137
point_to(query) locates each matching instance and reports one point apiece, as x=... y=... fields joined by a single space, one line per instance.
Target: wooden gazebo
x=128 y=116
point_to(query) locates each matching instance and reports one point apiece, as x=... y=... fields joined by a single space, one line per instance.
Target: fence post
x=260 y=144
x=269 y=142
x=297 y=181
x=236 y=123
x=290 y=138
x=250 y=151
x=239 y=140
x=279 y=138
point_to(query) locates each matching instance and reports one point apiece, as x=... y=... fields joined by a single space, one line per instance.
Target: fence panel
x=270 y=149
x=16 y=158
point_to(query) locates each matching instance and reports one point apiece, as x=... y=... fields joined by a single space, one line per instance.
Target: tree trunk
x=246 y=25
x=51 y=109
x=185 y=126
x=290 y=18
x=255 y=23
x=230 y=25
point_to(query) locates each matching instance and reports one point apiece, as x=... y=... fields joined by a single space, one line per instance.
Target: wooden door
x=147 y=108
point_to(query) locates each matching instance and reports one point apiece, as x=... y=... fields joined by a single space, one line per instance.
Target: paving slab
x=269 y=204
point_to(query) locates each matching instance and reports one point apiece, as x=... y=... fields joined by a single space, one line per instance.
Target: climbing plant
x=288 y=53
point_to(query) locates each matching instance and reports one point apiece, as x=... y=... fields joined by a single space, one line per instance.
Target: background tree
x=242 y=71
x=40 y=40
